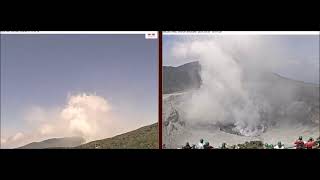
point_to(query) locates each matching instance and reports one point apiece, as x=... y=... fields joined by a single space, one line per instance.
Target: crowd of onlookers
x=298 y=144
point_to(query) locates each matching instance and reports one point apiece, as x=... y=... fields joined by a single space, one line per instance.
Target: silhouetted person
x=187 y=146
x=299 y=143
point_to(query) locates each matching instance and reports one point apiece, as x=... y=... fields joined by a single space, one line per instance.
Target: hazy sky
x=300 y=55
x=42 y=70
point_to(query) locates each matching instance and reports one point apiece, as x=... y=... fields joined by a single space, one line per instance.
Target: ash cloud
x=86 y=115
x=233 y=72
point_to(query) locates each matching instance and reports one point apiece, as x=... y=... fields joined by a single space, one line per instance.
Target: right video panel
x=240 y=91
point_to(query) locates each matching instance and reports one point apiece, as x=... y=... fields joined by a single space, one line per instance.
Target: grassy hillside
x=66 y=142
x=143 y=138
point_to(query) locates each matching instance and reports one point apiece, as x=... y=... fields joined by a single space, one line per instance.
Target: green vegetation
x=142 y=138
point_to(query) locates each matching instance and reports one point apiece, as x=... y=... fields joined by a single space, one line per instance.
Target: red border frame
x=160 y=90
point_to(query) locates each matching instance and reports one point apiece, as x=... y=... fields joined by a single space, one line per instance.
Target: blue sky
x=41 y=70
x=300 y=53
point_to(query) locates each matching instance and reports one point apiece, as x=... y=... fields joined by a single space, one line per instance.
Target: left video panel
x=84 y=90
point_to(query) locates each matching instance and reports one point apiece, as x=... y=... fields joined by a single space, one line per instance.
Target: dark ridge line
x=298 y=81
x=277 y=74
x=192 y=62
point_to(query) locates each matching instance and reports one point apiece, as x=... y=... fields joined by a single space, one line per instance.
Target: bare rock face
x=172 y=127
x=232 y=129
x=181 y=78
x=281 y=103
x=173 y=120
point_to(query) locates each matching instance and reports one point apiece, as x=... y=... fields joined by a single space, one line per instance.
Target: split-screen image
x=102 y=90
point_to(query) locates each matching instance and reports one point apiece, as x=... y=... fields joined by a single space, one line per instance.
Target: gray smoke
x=237 y=84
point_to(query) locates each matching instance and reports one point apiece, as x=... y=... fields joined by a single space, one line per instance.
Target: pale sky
x=300 y=55
x=42 y=70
